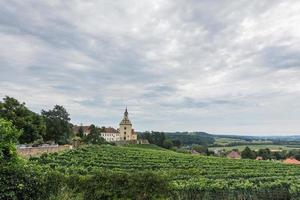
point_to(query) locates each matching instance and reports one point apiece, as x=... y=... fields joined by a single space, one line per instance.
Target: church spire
x=125 y=118
x=126 y=112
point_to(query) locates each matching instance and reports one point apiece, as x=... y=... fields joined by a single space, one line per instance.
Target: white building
x=110 y=134
x=125 y=132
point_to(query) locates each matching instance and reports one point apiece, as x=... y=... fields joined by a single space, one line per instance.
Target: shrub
x=8 y=138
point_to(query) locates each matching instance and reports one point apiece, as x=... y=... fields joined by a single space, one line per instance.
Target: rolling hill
x=187 y=176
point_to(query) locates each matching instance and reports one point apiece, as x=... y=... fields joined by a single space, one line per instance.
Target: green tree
x=168 y=144
x=8 y=139
x=177 y=143
x=200 y=149
x=247 y=153
x=265 y=153
x=94 y=137
x=31 y=124
x=80 y=132
x=58 y=127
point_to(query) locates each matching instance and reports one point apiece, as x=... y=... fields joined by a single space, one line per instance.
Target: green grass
x=223 y=141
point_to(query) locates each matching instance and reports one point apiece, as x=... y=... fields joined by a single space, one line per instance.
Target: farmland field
x=258 y=146
x=187 y=175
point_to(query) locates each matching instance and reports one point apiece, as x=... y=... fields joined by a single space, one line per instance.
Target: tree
x=58 y=128
x=8 y=139
x=265 y=153
x=200 y=149
x=158 y=138
x=247 y=153
x=80 y=131
x=177 y=143
x=94 y=137
x=168 y=144
x=32 y=125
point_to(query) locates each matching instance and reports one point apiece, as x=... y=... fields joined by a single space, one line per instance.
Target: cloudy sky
x=219 y=66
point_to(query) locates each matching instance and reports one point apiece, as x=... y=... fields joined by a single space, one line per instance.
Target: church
x=125 y=131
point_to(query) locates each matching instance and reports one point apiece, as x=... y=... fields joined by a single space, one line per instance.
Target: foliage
x=28 y=182
x=191 y=176
x=8 y=138
x=153 y=137
x=191 y=138
x=159 y=139
x=80 y=131
x=58 y=126
x=32 y=124
x=95 y=136
x=122 y=185
x=168 y=144
x=200 y=149
x=177 y=143
x=111 y=172
x=248 y=153
x=266 y=154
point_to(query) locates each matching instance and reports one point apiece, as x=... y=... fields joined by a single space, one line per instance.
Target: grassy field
x=258 y=146
x=224 y=141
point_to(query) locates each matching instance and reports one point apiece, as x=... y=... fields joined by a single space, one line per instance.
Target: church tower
x=126 y=131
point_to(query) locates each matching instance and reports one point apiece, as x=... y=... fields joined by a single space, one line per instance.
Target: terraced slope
x=185 y=172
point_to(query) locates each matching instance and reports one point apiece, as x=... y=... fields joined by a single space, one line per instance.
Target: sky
x=196 y=65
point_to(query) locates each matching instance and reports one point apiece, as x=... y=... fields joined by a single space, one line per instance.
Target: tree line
x=267 y=154
x=50 y=125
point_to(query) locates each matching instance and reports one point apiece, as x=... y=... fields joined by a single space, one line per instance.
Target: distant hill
x=189 y=138
x=203 y=138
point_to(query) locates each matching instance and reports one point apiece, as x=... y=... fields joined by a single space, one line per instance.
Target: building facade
x=110 y=134
x=126 y=131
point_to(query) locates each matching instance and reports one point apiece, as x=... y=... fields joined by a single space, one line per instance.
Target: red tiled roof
x=259 y=158
x=85 y=128
x=110 y=130
x=234 y=154
x=291 y=161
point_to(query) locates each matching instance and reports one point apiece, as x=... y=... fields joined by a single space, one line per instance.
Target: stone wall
x=36 y=151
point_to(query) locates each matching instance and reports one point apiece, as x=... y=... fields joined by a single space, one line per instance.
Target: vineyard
x=188 y=176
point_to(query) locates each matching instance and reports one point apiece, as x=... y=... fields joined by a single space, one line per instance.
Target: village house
x=86 y=129
x=234 y=155
x=291 y=160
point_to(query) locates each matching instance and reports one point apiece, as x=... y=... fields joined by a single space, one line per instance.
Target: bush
x=8 y=138
x=32 y=182
x=120 y=185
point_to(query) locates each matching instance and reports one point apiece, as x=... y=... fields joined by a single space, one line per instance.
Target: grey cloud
x=281 y=57
x=163 y=59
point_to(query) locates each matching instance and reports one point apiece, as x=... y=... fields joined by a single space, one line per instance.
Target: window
x=124 y=132
x=125 y=128
x=124 y=138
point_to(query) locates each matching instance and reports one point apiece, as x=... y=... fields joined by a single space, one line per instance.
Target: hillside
x=189 y=138
x=186 y=174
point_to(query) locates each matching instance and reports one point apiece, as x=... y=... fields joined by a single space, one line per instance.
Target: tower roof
x=125 y=120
